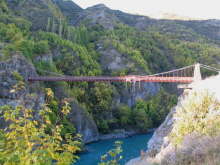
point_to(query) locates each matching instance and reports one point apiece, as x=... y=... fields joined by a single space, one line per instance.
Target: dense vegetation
x=147 y=50
x=79 y=57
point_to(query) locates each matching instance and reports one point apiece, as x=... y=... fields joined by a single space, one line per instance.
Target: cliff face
x=160 y=144
x=14 y=75
x=84 y=124
x=15 y=89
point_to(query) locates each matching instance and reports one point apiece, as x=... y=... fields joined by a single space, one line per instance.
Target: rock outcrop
x=84 y=124
x=98 y=14
x=15 y=89
x=159 y=145
x=112 y=61
x=12 y=71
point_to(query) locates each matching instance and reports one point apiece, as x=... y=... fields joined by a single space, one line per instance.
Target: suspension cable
x=172 y=70
x=210 y=68
x=52 y=73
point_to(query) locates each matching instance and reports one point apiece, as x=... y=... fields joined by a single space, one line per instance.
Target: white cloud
x=191 y=8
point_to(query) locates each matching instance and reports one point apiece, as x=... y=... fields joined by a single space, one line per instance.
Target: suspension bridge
x=186 y=75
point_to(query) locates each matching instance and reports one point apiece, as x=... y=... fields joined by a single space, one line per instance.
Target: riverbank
x=121 y=133
x=117 y=134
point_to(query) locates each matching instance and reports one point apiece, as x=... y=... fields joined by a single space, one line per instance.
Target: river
x=131 y=148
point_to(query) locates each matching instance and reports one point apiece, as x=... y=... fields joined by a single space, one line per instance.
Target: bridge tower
x=197 y=74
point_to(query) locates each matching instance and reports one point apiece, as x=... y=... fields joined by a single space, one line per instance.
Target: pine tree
x=48 y=28
x=53 y=29
x=60 y=27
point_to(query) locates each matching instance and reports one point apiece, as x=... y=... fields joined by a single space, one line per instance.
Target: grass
x=196 y=132
x=196 y=151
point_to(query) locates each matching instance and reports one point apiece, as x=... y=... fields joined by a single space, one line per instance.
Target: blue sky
x=202 y=9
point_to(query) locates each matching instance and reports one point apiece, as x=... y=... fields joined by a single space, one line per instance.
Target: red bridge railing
x=113 y=79
x=186 y=74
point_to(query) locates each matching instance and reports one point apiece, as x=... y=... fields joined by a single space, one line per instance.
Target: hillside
x=102 y=15
x=40 y=37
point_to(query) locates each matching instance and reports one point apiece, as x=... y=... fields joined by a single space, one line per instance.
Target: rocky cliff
x=160 y=144
x=15 y=89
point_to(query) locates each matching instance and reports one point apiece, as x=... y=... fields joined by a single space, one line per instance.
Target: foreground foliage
x=27 y=141
x=113 y=156
x=199 y=113
x=195 y=136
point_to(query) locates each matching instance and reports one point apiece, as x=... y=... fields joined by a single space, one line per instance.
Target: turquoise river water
x=131 y=148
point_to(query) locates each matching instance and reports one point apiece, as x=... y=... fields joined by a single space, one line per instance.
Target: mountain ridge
x=144 y=22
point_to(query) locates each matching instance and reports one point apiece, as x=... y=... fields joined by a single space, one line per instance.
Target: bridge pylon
x=197 y=73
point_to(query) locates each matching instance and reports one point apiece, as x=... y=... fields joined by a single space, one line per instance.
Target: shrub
x=195 y=151
x=10 y=33
x=102 y=125
x=199 y=113
x=26 y=47
x=41 y=47
x=59 y=117
x=23 y=24
x=35 y=142
x=17 y=76
x=3 y=6
x=112 y=157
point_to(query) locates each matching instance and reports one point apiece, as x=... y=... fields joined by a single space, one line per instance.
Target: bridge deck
x=113 y=79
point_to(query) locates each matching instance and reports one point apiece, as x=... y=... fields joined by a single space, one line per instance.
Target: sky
x=201 y=9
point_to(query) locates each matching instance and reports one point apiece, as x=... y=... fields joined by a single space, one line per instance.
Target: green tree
x=48 y=27
x=141 y=117
x=3 y=7
x=41 y=47
x=100 y=98
x=60 y=32
x=124 y=115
